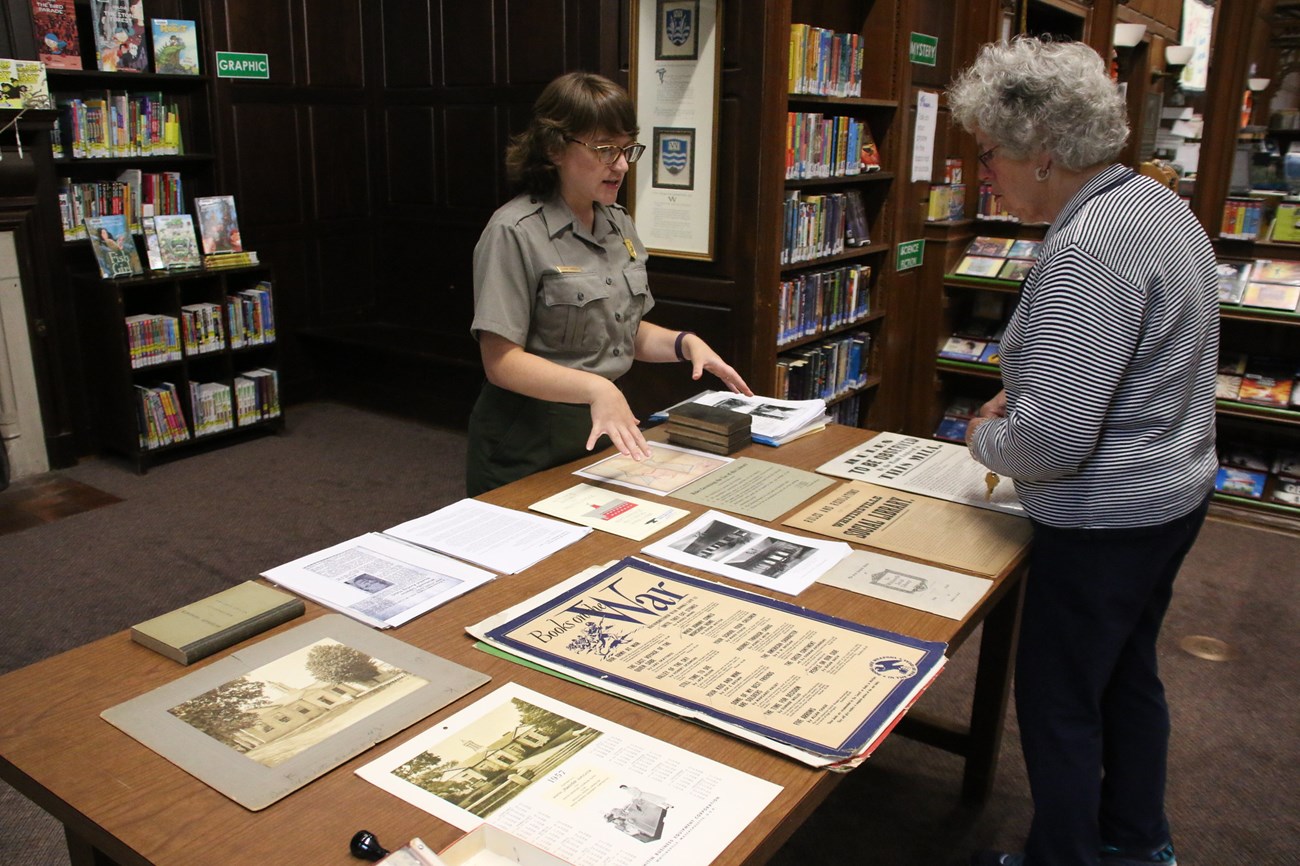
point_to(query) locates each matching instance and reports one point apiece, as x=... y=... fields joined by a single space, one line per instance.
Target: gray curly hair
x=1029 y=95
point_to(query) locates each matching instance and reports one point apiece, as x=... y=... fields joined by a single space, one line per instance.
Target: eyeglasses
x=987 y=155
x=609 y=153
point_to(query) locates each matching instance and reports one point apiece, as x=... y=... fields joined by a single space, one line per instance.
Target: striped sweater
x=1109 y=363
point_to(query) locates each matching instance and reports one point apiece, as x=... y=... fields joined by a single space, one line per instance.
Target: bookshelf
x=788 y=283
x=136 y=340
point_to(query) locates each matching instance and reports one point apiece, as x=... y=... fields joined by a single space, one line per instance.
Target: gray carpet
x=198 y=525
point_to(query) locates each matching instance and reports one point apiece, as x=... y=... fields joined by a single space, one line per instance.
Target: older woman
x=560 y=288
x=1106 y=426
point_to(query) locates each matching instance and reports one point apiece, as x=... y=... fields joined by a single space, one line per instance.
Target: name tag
x=568 y=269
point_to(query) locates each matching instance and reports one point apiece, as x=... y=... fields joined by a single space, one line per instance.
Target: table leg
x=992 y=689
x=82 y=853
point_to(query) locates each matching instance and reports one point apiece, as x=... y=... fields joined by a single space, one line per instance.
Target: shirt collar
x=559 y=217
x=1100 y=182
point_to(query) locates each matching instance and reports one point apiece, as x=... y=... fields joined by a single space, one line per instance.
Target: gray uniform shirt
x=544 y=282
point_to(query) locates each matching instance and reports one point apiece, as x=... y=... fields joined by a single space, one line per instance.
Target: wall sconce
x=1258 y=84
x=1129 y=35
x=1176 y=57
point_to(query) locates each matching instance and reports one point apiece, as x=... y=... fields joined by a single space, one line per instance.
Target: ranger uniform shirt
x=566 y=294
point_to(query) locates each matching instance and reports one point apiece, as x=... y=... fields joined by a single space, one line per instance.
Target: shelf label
x=910 y=255
x=232 y=64
x=923 y=49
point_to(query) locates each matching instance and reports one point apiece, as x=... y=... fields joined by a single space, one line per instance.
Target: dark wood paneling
x=346 y=264
x=339 y=148
x=408 y=52
x=262 y=27
x=468 y=168
x=468 y=43
x=267 y=160
x=334 y=50
x=408 y=170
x=535 y=32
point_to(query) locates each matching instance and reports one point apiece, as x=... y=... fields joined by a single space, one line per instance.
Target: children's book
x=1233 y=277
x=218 y=224
x=175 y=46
x=962 y=349
x=176 y=241
x=1271 y=296
x=54 y=23
x=1240 y=482
x=1024 y=249
x=119 y=35
x=990 y=246
x=23 y=84
x=979 y=266
x=1016 y=269
x=153 y=253
x=114 y=248
x=1271 y=271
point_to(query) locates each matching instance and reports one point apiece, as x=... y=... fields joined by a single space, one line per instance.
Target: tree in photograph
x=336 y=663
x=221 y=712
x=420 y=767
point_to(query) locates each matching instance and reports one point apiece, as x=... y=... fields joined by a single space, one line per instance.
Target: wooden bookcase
x=105 y=306
x=880 y=25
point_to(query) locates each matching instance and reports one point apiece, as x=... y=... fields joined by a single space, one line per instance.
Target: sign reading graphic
x=232 y=64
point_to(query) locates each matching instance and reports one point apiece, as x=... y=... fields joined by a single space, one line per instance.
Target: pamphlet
x=754 y=488
x=501 y=539
x=818 y=689
x=571 y=783
x=668 y=468
x=943 y=470
x=939 y=591
x=378 y=580
x=616 y=513
x=731 y=547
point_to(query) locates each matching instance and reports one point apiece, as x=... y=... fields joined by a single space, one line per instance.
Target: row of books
x=947 y=202
x=1262 y=381
x=135 y=194
x=813 y=302
x=820 y=146
x=826 y=370
x=1242 y=219
x=254 y=397
x=847 y=411
x=120 y=37
x=998 y=258
x=1263 y=283
x=154 y=338
x=822 y=225
x=170 y=240
x=115 y=124
x=825 y=63
x=1259 y=473
x=989 y=205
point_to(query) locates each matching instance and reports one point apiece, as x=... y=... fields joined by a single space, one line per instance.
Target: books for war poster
x=813 y=687
x=571 y=783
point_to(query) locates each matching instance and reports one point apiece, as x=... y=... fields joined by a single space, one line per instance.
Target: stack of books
x=708 y=428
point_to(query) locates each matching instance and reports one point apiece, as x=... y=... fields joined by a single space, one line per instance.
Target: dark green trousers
x=512 y=436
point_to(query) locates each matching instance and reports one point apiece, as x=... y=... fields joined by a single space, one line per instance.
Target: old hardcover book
x=54 y=24
x=713 y=419
x=197 y=630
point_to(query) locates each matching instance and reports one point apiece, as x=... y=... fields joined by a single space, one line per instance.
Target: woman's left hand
x=702 y=358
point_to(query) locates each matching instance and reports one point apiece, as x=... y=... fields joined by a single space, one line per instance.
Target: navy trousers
x=1094 y=725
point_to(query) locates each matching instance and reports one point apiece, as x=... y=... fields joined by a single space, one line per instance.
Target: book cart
x=135 y=342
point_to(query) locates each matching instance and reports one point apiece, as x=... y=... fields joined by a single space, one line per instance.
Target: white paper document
x=616 y=513
x=771 y=421
x=502 y=539
x=923 y=587
x=929 y=467
x=571 y=783
x=378 y=580
x=726 y=545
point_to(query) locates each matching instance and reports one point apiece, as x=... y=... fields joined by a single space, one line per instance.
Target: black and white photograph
x=674 y=158
x=642 y=816
x=276 y=711
x=678 y=34
x=482 y=767
x=740 y=548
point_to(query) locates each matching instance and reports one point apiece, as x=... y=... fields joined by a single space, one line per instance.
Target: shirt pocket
x=571 y=310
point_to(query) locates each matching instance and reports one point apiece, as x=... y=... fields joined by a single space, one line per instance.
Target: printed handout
x=616 y=513
x=818 y=689
x=943 y=470
x=502 y=539
x=940 y=591
x=666 y=469
x=571 y=783
x=731 y=547
x=378 y=580
x=755 y=488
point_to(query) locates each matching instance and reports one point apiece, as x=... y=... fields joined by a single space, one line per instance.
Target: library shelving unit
x=877 y=26
x=124 y=360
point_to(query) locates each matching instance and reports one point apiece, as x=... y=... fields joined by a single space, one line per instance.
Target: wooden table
x=123 y=804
